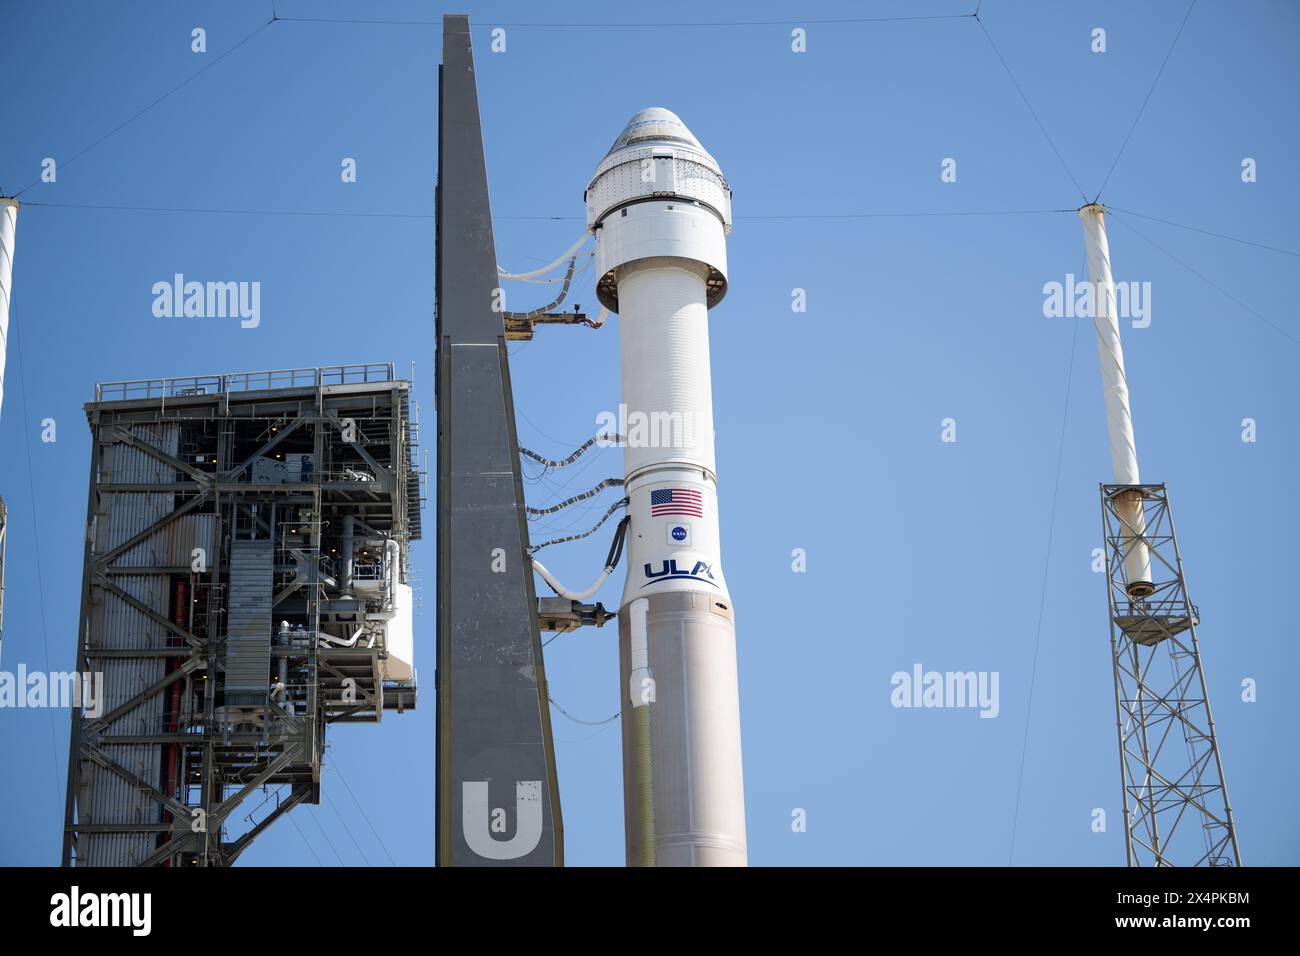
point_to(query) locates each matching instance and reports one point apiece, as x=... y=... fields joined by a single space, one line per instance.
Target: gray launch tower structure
x=245 y=585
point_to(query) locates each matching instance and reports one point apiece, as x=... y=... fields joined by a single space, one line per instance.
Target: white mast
x=8 y=223
x=1114 y=387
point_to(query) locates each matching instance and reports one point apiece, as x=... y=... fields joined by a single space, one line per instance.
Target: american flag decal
x=676 y=501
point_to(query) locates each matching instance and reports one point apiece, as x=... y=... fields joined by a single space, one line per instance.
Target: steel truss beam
x=1176 y=809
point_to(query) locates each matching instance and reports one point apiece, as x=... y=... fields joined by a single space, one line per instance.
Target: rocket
x=660 y=210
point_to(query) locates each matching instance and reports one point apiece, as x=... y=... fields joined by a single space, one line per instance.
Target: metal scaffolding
x=219 y=506
x=1176 y=809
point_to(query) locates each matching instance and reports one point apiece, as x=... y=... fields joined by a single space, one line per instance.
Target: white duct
x=392 y=566
x=340 y=642
x=8 y=225
x=399 y=636
x=349 y=554
x=640 y=693
x=399 y=632
x=582 y=241
x=1114 y=386
x=564 y=592
x=397 y=615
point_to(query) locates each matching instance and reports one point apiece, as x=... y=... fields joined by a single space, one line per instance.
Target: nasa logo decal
x=679 y=533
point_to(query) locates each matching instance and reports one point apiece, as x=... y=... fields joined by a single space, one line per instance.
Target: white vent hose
x=564 y=592
x=582 y=241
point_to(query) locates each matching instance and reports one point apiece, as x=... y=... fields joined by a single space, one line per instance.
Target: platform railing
x=187 y=386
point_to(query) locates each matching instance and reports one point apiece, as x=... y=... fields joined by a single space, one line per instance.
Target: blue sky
x=828 y=421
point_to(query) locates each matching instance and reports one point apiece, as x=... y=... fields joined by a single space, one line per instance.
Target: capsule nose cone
x=655 y=125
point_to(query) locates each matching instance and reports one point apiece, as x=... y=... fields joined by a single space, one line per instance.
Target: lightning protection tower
x=1176 y=809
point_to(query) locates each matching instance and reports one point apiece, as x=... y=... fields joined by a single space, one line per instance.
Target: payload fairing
x=660 y=209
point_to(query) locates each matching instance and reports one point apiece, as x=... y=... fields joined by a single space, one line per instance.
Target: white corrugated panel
x=106 y=797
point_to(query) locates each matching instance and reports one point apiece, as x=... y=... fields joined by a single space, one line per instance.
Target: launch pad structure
x=246 y=577
x=245 y=585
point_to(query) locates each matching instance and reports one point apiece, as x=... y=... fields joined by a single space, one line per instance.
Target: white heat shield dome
x=658 y=126
x=664 y=344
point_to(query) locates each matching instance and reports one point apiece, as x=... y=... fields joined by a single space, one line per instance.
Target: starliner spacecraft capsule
x=660 y=210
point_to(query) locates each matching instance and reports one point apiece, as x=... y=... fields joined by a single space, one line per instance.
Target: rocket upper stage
x=658 y=193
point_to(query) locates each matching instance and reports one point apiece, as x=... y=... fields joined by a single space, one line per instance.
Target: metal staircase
x=248 y=633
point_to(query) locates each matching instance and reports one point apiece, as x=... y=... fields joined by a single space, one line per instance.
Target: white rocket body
x=1114 y=384
x=8 y=224
x=661 y=209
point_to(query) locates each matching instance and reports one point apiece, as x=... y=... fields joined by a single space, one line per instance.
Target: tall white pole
x=8 y=224
x=1114 y=387
x=661 y=209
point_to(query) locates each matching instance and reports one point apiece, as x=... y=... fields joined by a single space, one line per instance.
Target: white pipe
x=339 y=642
x=564 y=592
x=553 y=279
x=1114 y=386
x=8 y=224
x=639 y=691
x=582 y=240
x=349 y=554
x=393 y=563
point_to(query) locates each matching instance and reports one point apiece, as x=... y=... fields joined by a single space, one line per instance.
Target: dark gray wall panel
x=498 y=802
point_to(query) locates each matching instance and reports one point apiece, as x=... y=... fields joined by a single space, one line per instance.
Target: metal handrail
x=185 y=386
